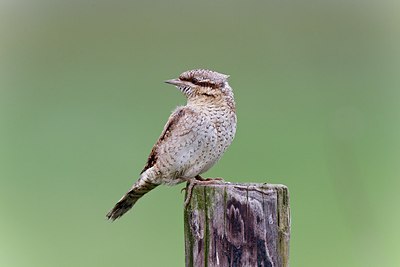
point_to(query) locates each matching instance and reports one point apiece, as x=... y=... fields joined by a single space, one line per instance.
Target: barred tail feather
x=140 y=188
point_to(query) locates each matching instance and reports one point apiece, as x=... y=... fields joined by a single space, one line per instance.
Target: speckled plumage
x=194 y=138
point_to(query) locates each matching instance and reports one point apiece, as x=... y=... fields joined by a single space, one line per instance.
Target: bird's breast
x=219 y=133
x=209 y=132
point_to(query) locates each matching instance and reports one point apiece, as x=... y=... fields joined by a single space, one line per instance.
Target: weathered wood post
x=230 y=224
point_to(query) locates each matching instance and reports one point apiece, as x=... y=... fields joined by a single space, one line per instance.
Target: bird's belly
x=201 y=158
x=192 y=160
x=200 y=151
x=206 y=156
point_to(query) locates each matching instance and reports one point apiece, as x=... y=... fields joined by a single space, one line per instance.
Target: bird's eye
x=194 y=80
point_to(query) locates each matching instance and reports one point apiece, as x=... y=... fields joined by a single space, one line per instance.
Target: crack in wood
x=238 y=225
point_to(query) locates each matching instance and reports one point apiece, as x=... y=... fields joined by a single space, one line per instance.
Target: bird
x=194 y=138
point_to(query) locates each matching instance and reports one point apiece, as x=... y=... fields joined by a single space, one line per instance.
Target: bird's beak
x=175 y=82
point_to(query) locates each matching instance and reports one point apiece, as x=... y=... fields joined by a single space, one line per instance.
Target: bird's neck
x=213 y=102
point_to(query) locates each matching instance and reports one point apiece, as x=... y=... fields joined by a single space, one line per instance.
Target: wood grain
x=230 y=224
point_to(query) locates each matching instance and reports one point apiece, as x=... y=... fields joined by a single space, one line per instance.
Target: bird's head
x=202 y=83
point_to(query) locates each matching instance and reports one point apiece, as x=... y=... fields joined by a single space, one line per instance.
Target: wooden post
x=230 y=224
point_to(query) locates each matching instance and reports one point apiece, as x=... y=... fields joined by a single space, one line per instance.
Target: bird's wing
x=177 y=127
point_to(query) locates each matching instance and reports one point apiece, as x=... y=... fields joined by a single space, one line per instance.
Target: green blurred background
x=82 y=101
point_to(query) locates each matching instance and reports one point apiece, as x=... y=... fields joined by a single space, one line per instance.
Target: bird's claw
x=197 y=181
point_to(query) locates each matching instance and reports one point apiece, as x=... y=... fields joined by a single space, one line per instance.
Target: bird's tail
x=141 y=187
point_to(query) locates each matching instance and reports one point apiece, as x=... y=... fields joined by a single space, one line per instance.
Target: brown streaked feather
x=201 y=83
x=204 y=78
x=139 y=189
x=172 y=122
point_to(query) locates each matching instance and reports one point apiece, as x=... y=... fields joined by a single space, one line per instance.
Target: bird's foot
x=197 y=181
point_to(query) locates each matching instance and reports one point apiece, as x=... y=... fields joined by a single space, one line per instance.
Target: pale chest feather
x=202 y=139
x=220 y=128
